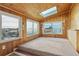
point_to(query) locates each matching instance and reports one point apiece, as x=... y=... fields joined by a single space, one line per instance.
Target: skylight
x=49 y=12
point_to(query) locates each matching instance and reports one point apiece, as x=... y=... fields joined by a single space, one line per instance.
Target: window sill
x=32 y=35
x=9 y=39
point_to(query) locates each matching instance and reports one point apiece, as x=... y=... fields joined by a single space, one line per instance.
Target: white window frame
x=11 y=15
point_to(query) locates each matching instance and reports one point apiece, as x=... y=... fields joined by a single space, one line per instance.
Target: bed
x=49 y=47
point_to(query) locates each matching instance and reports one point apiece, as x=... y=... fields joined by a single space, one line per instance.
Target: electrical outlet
x=3 y=47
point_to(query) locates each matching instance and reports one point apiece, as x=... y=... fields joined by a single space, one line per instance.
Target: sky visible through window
x=9 y=22
x=29 y=27
x=32 y=27
x=54 y=27
x=49 y=12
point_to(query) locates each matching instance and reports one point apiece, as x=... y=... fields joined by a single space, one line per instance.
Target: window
x=53 y=28
x=57 y=27
x=10 y=25
x=49 y=12
x=9 y=22
x=32 y=27
x=47 y=27
x=36 y=28
x=29 y=27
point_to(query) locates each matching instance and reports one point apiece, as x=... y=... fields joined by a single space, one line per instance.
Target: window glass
x=29 y=27
x=36 y=29
x=10 y=26
x=47 y=27
x=32 y=27
x=57 y=27
x=52 y=28
x=9 y=22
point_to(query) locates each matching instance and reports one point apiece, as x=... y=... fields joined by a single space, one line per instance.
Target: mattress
x=49 y=47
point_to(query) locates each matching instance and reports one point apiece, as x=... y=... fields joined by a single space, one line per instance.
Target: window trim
x=15 y=16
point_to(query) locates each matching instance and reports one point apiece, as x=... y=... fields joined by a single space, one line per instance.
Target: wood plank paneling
x=15 y=43
x=74 y=24
x=33 y=10
x=77 y=43
x=64 y=17
x=8 y=48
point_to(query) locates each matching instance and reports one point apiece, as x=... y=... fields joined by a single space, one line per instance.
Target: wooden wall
x=77 y=41
x=13 y=44
x=63 y=16
x=74 y=25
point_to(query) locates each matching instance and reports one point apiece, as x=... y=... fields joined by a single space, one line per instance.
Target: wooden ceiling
x=33 y=10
